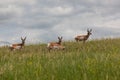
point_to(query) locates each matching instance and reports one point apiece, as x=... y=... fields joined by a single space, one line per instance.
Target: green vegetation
x=94 y=60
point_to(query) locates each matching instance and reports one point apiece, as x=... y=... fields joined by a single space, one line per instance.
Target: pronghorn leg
x=83 y=41
x=49 y=49
x=77 y=40
x=11 y=48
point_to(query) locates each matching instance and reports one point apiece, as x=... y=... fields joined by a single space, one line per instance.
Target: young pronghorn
x=83 y=37
x=56 y=45
x=19 y=45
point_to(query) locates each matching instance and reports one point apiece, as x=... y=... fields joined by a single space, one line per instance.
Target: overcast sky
x=44 y=20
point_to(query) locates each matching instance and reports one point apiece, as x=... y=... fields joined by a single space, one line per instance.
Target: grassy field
x=95 y=60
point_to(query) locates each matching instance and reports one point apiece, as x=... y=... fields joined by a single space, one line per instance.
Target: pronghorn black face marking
x=55 y=45
x=83 y=37
x=18 y=45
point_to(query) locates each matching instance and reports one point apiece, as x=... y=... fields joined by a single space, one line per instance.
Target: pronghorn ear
x=87 y=30
x=90 y=30
x=58 y=37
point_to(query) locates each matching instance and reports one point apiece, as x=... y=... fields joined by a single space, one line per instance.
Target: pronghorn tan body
x=19 y=45
x=83 y=37
x=56 y=45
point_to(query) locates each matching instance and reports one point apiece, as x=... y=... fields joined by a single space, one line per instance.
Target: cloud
x=10 y=13
x=58 y=10
x=45 y=20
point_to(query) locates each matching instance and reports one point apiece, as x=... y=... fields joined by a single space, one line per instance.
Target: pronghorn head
x=89 y=31
x=60 y=40
x=23 y=40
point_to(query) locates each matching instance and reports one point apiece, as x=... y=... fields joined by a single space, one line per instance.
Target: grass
x=95 y=60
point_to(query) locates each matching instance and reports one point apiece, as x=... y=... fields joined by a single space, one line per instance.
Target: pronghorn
x=83 y=37
x=56 y=45
x=18 y=45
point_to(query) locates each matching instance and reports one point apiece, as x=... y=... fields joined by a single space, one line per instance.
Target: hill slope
x=95 y=60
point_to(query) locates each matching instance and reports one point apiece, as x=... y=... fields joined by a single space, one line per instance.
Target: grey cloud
x=54 y=18
x=99 y=32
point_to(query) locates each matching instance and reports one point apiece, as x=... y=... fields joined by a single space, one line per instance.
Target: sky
x=45 y=20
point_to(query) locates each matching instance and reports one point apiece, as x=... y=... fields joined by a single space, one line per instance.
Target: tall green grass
x=94 y=60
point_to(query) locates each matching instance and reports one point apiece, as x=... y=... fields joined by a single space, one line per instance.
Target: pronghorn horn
x=23 y=39
x=58 y=37
x=61 y=37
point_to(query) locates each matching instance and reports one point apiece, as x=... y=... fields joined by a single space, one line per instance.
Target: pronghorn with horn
x=83 y=37
x=56 y=45
x=18 y=45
